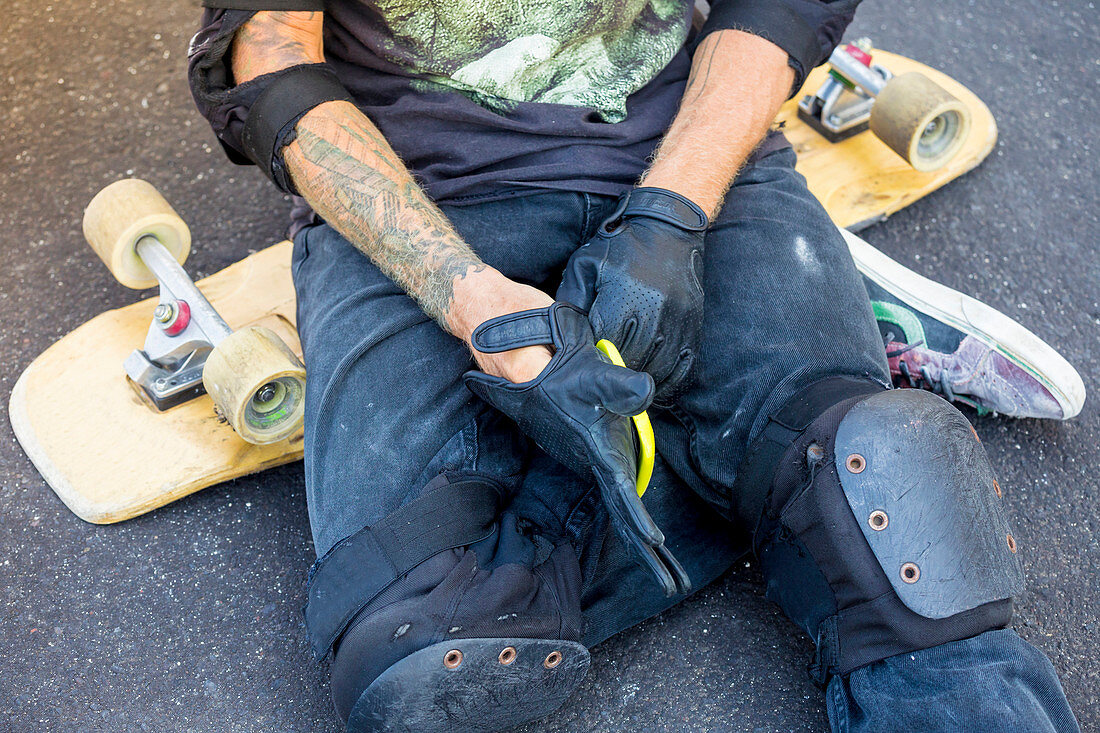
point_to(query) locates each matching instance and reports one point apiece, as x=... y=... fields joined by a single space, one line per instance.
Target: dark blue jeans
x=387 y=412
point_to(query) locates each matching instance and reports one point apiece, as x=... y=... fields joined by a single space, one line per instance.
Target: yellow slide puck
x=646 y=444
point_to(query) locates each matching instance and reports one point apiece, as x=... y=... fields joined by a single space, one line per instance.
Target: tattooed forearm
x=350 y=175
x=737 y=83
x=355 y=181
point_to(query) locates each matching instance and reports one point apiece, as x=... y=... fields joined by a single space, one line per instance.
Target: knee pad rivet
x=997 y=488
x=910 y=573
x=507 y=655
x=452 y=659
x=553 y=659
x=1011 y=543
x=878 y=520
x=855 y=463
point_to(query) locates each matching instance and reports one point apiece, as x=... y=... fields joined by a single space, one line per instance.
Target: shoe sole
x=471 y=685
x=975 y=318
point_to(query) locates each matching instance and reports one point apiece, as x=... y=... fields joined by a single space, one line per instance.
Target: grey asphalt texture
x=187 y=619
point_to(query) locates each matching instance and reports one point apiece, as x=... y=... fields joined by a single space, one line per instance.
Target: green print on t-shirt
x=585 y=54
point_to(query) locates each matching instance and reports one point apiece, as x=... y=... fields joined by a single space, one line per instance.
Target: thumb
x=578 y=282
x=623 y=391
x=485 y=386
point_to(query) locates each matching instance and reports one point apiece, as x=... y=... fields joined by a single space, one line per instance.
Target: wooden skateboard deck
x=860 y=180
x=117 y=457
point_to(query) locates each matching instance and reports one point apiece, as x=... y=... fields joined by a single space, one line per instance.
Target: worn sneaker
x=938 y=339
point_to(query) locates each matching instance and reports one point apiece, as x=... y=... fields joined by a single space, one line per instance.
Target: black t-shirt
x=488 y=98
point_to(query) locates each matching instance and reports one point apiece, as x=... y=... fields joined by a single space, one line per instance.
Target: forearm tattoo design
x=351 y=176
x=355 y=181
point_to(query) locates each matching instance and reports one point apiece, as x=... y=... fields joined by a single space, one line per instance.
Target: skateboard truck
x=185 y=329
x=842 y=105
x=256 y=382
x=916 y=117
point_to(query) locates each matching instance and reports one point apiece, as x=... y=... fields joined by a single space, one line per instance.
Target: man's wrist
x=469 y=300
x=486 y=293
x=706 y=196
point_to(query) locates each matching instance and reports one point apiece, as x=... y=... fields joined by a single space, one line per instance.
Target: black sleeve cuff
x=287 y=95
x=774 y=22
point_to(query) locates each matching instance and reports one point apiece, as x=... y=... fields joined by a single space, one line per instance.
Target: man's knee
x=881 y=529
x=448 y=615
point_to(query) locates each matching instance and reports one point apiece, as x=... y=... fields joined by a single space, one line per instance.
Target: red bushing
x=183 y=317
x=858 y=54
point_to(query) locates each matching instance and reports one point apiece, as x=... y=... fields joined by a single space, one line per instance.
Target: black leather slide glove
x=639 y=280
x=578 y=411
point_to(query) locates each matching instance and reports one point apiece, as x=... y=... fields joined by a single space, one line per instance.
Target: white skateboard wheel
x=257 y=384
x=120 y=215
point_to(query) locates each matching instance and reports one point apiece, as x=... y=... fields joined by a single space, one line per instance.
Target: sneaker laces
x=924 y=379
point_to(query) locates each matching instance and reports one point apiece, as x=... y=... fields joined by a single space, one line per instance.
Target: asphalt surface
x=187 y=619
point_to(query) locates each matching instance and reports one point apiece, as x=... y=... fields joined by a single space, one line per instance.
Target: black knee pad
x=883 y=530
x=450 y=614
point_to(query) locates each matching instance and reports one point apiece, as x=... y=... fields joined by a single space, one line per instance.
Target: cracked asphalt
x=187 y=619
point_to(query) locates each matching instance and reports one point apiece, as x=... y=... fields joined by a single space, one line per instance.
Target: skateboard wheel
x=920 y=121
x=120 y=215
x=257 y=384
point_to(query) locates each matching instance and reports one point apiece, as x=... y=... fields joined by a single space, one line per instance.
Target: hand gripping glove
x=639 y=281
x=578 y=410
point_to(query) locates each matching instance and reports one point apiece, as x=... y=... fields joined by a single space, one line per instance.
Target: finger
x=625 y=506
x=623 y=391
x=628 y=334
x=675 y=569
x=605 y=317
x=649 y=559
x=678 y=380
x=649 y=545
x=578 y=283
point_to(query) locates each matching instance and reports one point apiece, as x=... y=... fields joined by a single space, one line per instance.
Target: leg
x=784 y=307
x=995 y=681
x=393 y=440
x=873 y=512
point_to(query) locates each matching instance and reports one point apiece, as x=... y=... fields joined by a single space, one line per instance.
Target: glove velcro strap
x=288 y=95
x=361 y=566
x=513 y=331
x=665 y=205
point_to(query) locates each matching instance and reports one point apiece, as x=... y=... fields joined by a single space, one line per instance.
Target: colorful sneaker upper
x=928 y=354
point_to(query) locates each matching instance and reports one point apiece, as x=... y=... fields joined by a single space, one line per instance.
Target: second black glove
x=639 y=280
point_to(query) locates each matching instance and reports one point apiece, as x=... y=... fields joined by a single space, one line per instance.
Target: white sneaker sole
x=975 y=318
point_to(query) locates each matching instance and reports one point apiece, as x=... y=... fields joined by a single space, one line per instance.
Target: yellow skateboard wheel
x=120 y=215
x=647 y=445
x=920 y=121
x=257 y=384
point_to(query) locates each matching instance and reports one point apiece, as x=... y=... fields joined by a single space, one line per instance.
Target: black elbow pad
x=253 y=121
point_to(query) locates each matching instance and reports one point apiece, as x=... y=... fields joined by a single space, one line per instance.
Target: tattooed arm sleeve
x=738 y=82
x=354 y=180
x=347 y=172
